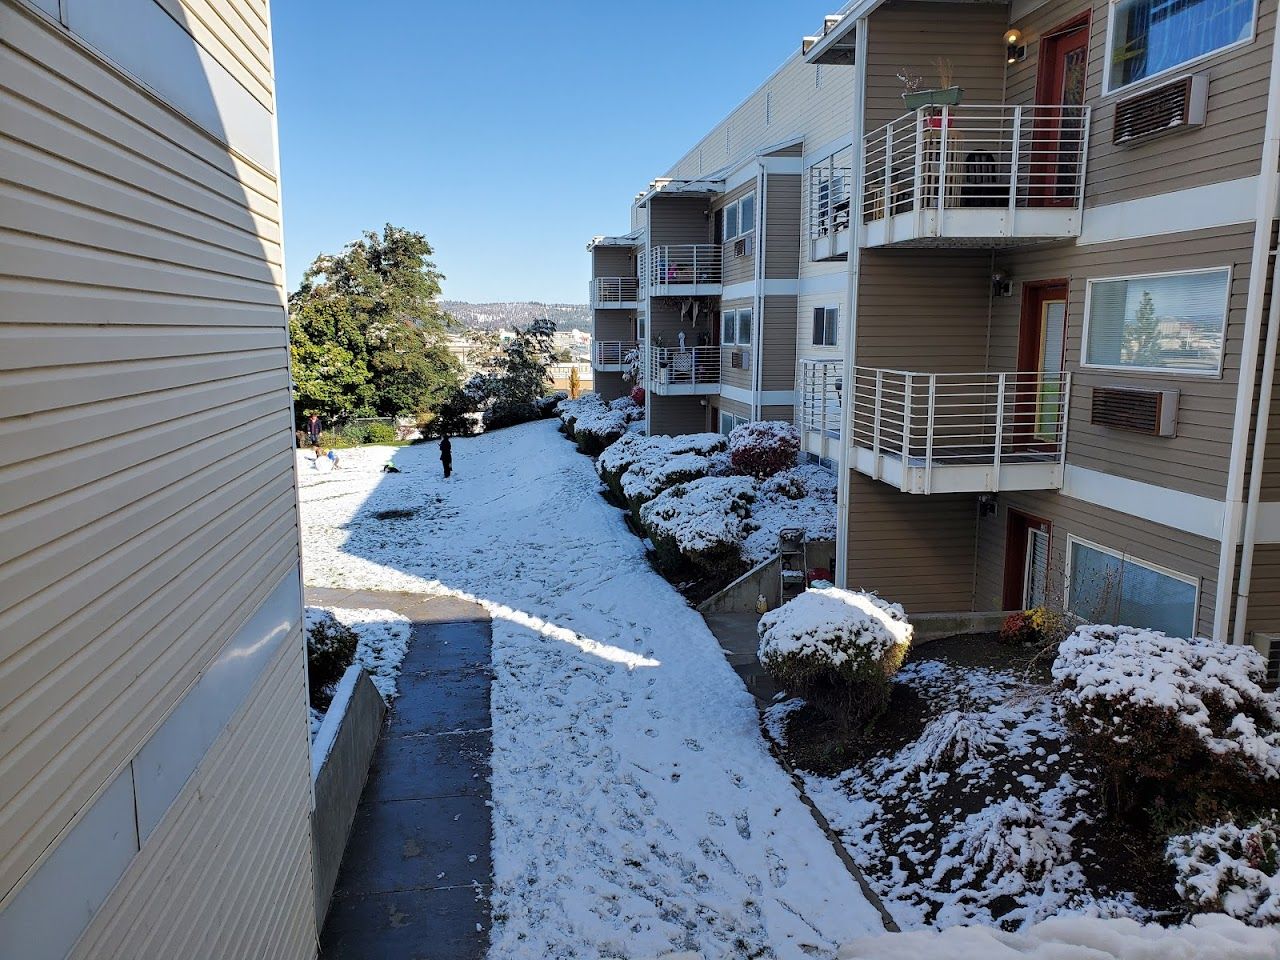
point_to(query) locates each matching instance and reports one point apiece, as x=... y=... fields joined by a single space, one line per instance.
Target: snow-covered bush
x=764 y=447
x=645 y=480
x=637 y=396
x=549 y=405
x=598 y=427
x=803 y=497
x=1231 y=868
x=701 y=522
x=634 y=411
x=651 y=452
x=1170 y=719
x=331 y=646
x=1013 y=836
x=949 y=740
x=838 y=649
x=570 y=410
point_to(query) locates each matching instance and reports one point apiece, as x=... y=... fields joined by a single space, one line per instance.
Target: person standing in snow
x=313 y=429
x=446 y=455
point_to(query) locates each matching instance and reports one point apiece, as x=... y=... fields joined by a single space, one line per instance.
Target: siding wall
x=676 y=415
x=739 y=376
x=610 y=386
x=778 y=370
x=614 y=325
x=782 y=226
x=146 y=443
x=613 y=262
x=679 y=220
x=737 y=269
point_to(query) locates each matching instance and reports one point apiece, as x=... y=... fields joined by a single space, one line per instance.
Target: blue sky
x=509 y=133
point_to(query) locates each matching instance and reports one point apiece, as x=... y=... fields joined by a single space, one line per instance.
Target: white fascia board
x=1188 y=512
x=819 y=284
x=1196 y=208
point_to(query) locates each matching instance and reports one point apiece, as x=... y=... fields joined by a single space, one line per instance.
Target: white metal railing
x=830 y=190
x=606 y=290
x=691 y=366
x=683 y=263
x=975 y=156
x=821 y=388
x=613 y=352
x=642 y=271
x=939 y=419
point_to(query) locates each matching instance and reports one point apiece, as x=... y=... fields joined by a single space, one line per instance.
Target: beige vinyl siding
x=910 y=36
x=1176 y=550
x=742 y=376
x=613 y=262
x=146 y=452
x=777 y=412
x=1227 y=147
x=737 y=269
x=778 y=346
x=782 y=226
x=913 y=550
x=676 y=415
x=1264 y=592
x=734 y=407
x=679 y=220
x=610 y=386
x=226 y=874
x=614 y=325
x=236 y=33
x=1196 y=459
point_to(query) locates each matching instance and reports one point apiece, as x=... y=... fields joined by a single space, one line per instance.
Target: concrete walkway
x=740 y=641
x=416 y=876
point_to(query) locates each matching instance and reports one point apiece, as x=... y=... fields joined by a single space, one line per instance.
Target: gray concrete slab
x=416 y=875
x=737 y=635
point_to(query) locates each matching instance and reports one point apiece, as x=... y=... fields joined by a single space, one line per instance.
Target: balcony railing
x=975 y=172
x=612 y=355
x=614 y=292
x=957 y=432
x=821 y=385
x=672 y=370
x=684 y=269
x=830 y=193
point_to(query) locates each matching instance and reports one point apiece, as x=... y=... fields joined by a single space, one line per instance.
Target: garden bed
x=966 y=804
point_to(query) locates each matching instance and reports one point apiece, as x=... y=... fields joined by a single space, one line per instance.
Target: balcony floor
x=975 y=227
x=961 y=473
x=683 y=389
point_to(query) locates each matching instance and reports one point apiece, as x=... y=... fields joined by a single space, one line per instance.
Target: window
x=729 y=421
x=735 y=327
x=738 y=218
x=1148 y=37
x=1172 y=323
x=1104 y=586
x=826 y=321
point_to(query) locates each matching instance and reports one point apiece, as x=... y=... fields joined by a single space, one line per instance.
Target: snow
x=1197 y=680
x=803 y=497
x=637 y=811
x=834 y=625
x=1233 y=867
x=383 y=641
x=1209 y=937
x=702 y=514
x=646 y=479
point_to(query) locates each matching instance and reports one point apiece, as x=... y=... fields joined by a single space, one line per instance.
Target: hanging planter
x=936 y=97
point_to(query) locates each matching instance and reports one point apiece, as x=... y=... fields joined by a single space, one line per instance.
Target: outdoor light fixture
x=1001 y=285
x=1015 y=50
x=986 y=505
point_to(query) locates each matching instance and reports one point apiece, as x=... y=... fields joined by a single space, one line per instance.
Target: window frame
x=1133 y=85
x=827 y=321
x=735 y=421
x=1166 y=372
x=740 y=341
x=1072 y=540
x=731 y=341
x=736 y=207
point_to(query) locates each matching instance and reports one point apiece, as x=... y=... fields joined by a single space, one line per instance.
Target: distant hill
x=494 y=316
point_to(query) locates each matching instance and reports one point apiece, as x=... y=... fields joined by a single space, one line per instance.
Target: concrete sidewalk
x=416 y=876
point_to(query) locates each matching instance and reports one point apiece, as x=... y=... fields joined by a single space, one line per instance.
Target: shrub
x=569 y=410
x=379 y=433
x=1167 y=719
x=649 y=453
x=763 y=447
x=1039 y=626
x=548 y=406
x=331 y=646
x=701 y=523
x=1226 y=868
x=637 y=396
x=644 y=481
x=597 y=428
x=839 y=649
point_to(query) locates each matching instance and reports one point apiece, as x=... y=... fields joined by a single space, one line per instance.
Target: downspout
x=1256 y=464
x=757 y=302
x=850 y=331
x=1234 y=507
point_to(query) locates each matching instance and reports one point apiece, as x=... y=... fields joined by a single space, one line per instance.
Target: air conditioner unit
x=1268 y=644
x=735 y=359
x=1176 y=105
x=743 y=246
x=1150 y=412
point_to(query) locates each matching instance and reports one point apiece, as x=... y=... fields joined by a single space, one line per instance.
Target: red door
x=1060 y=87
x=1026 y=561
x=1039 y=410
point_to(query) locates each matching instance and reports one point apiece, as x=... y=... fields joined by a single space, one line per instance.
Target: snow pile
x=628 y=407
x=1127 y=686
x=956 y=739
x=648 y=454
x=762 y=448
x=1209 y=937
x=703 y=520
x=1231 y=868
x=836 y=627
x=596 y=427
x=803 y=497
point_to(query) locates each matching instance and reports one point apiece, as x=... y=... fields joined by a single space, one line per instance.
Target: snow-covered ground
x=637 y=811
x=383 y=641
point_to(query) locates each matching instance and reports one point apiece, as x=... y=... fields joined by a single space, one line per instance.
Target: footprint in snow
x=743 y=823
x=777 y=869
x=715 y=819
x=693 y=745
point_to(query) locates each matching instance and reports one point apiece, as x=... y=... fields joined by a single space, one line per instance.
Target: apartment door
x=1060 y=87
x=1038 y=411
x=1026 y=561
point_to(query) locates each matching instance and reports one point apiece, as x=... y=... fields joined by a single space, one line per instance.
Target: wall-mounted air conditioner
x=1177 y=105
x=1150 y=412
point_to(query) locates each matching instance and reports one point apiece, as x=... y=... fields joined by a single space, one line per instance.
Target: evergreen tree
x=517 y=376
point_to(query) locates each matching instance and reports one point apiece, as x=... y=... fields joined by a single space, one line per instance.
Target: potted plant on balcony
x=945 y=94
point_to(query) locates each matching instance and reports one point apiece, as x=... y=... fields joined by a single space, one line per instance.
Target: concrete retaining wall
x=341 y=754
x=741 y=595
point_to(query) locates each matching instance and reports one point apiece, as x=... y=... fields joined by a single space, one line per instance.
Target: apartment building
x=1050 y=342
x=155 y=778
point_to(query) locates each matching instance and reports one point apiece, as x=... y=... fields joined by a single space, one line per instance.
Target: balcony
x=615 y=293
x=830 y=191
x=960 y=432
x=613 y=356
x=980 y=175
x=683 y=270
x=818 y=409
x=673 y=372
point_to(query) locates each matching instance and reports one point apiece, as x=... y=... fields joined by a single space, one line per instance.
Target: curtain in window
x=1155 y=35
x=1110 y=589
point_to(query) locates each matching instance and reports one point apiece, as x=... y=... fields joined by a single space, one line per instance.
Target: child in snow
x=446 y=455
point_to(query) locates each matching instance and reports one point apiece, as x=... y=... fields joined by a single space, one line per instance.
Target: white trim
x=782 y=166
x=824 y=284
x=744 y=290
x=1134 y=86
x=1188 y=512
x=1167 y=372
x=750 y=398
x=742 y=175
x=1268 y=521
x=1205 y=207
x=777 y=398
x=773 y=287
x=780 y=287
x=1156 y=568
x=827 y=150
